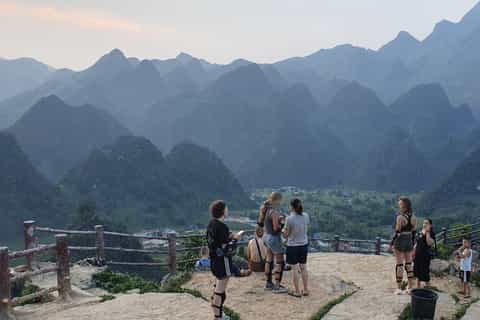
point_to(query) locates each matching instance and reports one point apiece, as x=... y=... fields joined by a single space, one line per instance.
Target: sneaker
x=398 y=292
x=280 y=289
x=269 y=286
x=225 y=317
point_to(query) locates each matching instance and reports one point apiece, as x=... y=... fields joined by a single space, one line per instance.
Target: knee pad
x=399 y=272
x=409 y=270
x=269 y=270
x=219 y=307
x=280 y=267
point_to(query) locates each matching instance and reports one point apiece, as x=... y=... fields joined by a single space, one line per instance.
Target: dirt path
x=163 y=306
x=247 y=296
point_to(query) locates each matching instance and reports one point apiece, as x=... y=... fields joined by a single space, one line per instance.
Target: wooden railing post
x=63 y=266
x=5 y=302
x=378 y=245
x=172 y=252
x=337 y=243
x=444 y=236
x=30 y=241
x=100 y=244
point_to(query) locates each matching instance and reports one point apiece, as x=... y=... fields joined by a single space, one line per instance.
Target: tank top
x=466 y=263
x=408 y=227
x=269 y=223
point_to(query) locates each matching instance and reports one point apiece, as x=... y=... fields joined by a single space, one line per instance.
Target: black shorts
x=465 y=276
x=222 y=267
x=297 y=254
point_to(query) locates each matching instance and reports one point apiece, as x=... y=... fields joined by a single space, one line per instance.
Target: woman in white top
x=296 y=228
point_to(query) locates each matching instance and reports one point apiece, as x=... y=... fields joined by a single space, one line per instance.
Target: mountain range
x=401 y=118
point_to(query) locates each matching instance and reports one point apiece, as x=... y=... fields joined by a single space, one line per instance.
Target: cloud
x=83 y=18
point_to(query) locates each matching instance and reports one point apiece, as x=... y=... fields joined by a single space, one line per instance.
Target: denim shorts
x=274 y=243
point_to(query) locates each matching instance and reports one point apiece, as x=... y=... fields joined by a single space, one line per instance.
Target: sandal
x=294 y=294
x=306 y=293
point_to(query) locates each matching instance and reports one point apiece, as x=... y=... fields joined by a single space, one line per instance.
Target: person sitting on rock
x=257 y=252
x=219 y=239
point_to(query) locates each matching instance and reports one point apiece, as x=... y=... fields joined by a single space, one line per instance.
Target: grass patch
x=29 y=289
x=463 y=309
x=106 y=297
x=326 y=308
x=232 y=314
x=407 y=313
x=455 y=298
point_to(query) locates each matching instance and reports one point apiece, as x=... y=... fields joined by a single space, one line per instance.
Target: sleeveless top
x=269 y=223
x=408 y=227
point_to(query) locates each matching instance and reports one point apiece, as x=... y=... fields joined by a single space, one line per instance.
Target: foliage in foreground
x=115 y=282
x=326 y=308
x=462 y=309
x=407 y=313
x=29 y=289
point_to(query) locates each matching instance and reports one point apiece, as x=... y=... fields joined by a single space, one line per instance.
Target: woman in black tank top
x=402 y=243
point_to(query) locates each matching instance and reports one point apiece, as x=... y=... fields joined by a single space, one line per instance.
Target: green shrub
x=30 y=288
x=115 y=282
x=190 y=256
x=445 y=251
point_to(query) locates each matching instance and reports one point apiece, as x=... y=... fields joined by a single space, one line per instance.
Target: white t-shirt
x=297 y=225
x=466 y=263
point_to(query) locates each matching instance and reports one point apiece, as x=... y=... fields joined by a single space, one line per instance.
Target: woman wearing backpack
x=423 y=253
x=219 y=239
x=402 y=242
x=272 y=221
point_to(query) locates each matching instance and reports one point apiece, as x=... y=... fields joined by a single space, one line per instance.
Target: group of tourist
x=266 y=252
x=414 y=252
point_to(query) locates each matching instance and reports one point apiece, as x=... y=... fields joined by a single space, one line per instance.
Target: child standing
x=219 y=239
x=465 y=256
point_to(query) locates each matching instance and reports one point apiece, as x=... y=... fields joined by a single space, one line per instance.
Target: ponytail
x=297 y=206
x=275 y=196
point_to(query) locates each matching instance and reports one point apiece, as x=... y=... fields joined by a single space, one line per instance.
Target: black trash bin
x=424 y=302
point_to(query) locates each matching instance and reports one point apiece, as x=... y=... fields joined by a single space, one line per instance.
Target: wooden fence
x=173 y=246
x=453 y=236
x=62 y=269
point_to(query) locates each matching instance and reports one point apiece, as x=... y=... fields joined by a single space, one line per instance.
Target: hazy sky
x=74 y=33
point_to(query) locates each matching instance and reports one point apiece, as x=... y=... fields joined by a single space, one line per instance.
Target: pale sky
x=74 y=33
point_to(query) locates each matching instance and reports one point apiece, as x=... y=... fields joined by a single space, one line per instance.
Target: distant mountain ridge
x=131 y=180
x=56 y=136
x=24 y=193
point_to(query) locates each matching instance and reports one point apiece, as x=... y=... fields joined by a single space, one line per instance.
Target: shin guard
x=399 y=272
x=409 y=270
